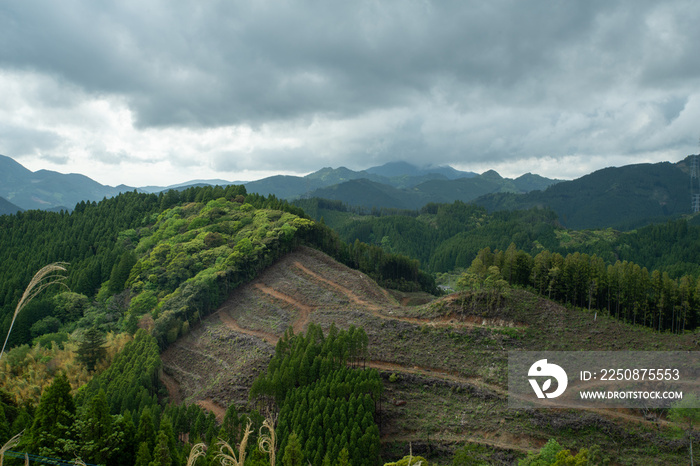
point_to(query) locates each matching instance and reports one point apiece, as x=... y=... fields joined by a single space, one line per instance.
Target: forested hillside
x=83 y=374
x=155 y=262
x=103 y=241
x=448 y=236
x=624 y=197
x=624 y=289
x=370 y=193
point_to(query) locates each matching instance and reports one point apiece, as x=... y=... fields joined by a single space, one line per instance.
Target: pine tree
x=293 y=453
x=54 y=418
x=232 y=425
x=161 y=454
x=146 y=432
x=96 y=429
x=91 y=350
x=344 y=457
x=143 y=457
x=123 y=441
x=120 y=272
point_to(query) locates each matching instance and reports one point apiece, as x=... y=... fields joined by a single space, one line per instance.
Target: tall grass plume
x=8 y=446
x=268 y=442
x=45 y=277
x=229 y=459
x=198 y=451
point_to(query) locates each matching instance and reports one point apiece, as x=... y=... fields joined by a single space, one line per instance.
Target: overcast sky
x=158 y=92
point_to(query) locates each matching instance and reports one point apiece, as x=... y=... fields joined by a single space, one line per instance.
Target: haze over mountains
x=51 y=190
x=47 y=190
x=622 y=197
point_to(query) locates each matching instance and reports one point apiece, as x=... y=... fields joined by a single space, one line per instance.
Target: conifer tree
x=292 y=453
x=54 y=418
x=146 y=432
x=143 y=457
x=161 y=454
x=344 y=457
x=123 y=441
x=120 y=272
x=91 y=350
x=96 y=429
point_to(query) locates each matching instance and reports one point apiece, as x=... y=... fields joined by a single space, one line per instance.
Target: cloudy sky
x=149 y=92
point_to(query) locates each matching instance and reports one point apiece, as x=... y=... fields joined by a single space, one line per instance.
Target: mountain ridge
x=51 y=190
x=620 y=197
x=7 y=207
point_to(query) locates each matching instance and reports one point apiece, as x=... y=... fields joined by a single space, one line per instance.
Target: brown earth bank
x=443 y=361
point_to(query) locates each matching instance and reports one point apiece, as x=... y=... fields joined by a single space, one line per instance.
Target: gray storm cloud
x=452 y=82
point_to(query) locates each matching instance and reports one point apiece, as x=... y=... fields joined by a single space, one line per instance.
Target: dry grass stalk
x=47 y=276
x=410 y=456
x=197 y=451
x=268 y=442
x=229 y=459
x=9 y=445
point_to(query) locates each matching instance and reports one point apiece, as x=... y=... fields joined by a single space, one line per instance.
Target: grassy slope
x=449 y=359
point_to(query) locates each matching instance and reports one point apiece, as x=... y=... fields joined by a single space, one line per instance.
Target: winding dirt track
x=502 y=440
x=304 y=310
x=445 y=321
x=348 y=293
x=212 y=407
x=231 y=323
x=173 y=388
x=432 y=372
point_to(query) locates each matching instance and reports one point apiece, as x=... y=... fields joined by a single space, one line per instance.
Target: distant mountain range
x=624 y=197
x=51 y=190
x=6 y=207
x=418 y=191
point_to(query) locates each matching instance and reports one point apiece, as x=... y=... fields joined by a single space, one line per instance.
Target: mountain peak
x=491 y=175
x=400 y=168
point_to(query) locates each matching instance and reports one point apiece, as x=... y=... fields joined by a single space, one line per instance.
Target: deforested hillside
x=443 y=364
x=300 y=288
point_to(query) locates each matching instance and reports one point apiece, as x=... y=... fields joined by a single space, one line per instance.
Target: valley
x=214 y=304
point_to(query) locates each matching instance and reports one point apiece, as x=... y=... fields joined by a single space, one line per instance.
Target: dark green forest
x=448 y=236
x=624 y=198
x=623 y=290
x=328 y=403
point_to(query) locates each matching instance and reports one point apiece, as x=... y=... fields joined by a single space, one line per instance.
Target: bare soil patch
x=172 y=387
x=218 y=411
